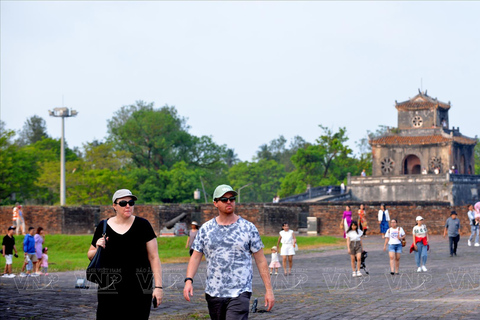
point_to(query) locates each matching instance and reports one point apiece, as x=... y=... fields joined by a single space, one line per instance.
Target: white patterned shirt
x=228 y=251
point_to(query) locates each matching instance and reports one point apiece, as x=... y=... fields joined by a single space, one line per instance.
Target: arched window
x=412 y=165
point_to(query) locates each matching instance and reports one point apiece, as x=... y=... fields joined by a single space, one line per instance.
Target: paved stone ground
x=321 y=287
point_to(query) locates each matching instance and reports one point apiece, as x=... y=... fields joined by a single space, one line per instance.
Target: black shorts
x=229 y=308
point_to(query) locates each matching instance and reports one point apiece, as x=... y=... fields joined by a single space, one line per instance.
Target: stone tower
x=423 y=159
x=423 y=141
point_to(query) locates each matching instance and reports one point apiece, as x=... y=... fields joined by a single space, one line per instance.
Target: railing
x=313 y=193
x=414 y=178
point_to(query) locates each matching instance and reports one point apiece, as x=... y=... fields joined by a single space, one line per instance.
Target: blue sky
x=241 y=72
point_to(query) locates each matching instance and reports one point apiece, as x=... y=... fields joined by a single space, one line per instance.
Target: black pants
x=229 y=308
x=453 y=244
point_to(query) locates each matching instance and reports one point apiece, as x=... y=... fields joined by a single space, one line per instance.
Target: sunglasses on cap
x=124 y=203
x=225 y=199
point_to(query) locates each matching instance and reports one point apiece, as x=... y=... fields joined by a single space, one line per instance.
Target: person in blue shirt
x=30 y=253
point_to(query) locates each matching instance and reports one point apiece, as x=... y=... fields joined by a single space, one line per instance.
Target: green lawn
x=69 y=252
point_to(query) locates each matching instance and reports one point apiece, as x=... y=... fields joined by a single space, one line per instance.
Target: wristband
x=186 y=279
x=159 y=288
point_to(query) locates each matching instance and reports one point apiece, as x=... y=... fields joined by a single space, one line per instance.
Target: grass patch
x=69 y=252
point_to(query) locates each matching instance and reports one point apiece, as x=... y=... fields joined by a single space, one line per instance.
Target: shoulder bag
x=404 y=242
x=95 y=269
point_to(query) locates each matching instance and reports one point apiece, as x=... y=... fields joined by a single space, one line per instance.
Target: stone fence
x=268 y=217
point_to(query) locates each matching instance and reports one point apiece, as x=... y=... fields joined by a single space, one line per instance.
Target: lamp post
x=240 y=189
x=62 y=113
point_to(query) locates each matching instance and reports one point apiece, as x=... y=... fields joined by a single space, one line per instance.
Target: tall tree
x=34 y=129
x=263 y=176
x=154 y=137
x=17 y=169
x=277 y=150
x=332 y=145
x=325 y=163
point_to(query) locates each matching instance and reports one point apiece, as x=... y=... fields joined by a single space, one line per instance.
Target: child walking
x=45 y=261
x=274 y=263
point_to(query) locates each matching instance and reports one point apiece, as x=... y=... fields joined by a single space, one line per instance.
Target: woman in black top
x=131 y=258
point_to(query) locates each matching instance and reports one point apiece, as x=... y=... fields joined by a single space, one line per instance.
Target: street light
x=62 y=113
x=239 y=189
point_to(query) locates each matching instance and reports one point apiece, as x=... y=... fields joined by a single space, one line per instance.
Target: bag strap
x=104 y=233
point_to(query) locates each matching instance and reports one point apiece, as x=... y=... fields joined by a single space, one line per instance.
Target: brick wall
x=268 y=217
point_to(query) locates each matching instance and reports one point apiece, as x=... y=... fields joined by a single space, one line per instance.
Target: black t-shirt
x=126 y=255
x=8 y=243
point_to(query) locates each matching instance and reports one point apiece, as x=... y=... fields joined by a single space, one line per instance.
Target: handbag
x=404 y=242
x=94 y=269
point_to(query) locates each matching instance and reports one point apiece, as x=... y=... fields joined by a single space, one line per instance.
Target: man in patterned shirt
x=228 y=243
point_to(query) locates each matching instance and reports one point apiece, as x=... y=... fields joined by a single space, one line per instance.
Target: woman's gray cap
x=221 y=190
x=122 y=193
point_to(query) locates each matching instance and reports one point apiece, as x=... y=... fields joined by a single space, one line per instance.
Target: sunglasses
x=124 y=203
x=225 y=199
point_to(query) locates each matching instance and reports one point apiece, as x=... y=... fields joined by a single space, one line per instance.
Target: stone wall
x=453 y=189
x=268 y=217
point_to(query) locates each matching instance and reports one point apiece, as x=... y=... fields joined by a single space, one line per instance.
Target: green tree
x=154 y=137
x=277 y=150
x=98 y=155
x=325 y=163
x=18 y=170
x=264 y=176
x=34 y=129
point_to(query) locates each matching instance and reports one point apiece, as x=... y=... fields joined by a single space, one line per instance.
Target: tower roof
x=421 y=102
x=421 y=140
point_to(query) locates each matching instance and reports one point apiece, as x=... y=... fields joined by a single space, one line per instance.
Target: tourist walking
x=393 y=237
x=474 y=227
x=191 y=236
x=355 y=247
x=131 y=253
x=420 y=244
x=346 y=220
x=8 y=246
x=288 y=240
x=362 y=220
x=452 y=227
x=18 y=219
x=383 y=219
x=30 y=252
x=228 y=242
x=274 y=263
x=45 y=261
x=39 y=240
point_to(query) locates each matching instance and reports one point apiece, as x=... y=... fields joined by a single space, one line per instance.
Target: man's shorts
x=229 y=308
x=397 y=248
x=355 y=248
x=8 y=258
x=32 y=256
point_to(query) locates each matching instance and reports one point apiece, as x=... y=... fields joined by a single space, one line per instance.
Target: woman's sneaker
x=359 y=274
x=419 y=269
x=354 y=274
x=424 y=269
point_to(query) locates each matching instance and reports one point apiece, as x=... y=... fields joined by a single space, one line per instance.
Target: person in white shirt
x=287 y=237
x=355 y=247
x=474 y=227
x=420 y=244
x=383 y=219
x=393 y=237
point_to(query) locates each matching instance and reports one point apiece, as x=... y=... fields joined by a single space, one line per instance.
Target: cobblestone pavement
x=320 y=287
